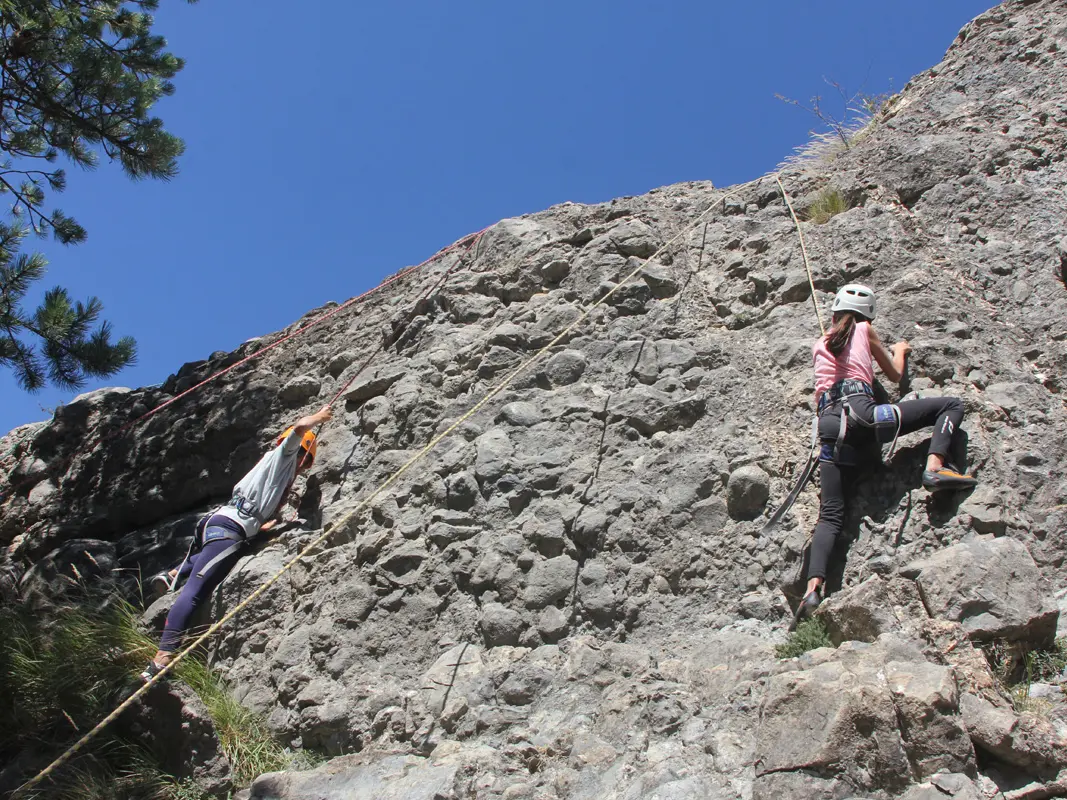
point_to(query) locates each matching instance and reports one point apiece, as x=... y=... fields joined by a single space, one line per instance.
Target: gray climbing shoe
x=806 y=608
x=151 y=671
x=947 y=479
x=159 y=584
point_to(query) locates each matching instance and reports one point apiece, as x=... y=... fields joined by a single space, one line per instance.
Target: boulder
x=174 y=723
x=747 y=491
x=1025 y=741
x=946 y=786
x=650 y=411
x=555 y=270
x=500 y=625
x=829 y=720
x=354 y=778
x=565 y=367
x=373 y=382
x=340 y=362
x=863 y=613
x=990 y=586
x=299 y=390
x=550 y=581
x=871 y=716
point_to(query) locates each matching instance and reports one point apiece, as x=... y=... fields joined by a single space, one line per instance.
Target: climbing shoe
x=947 y=479
x=151 y=671
x=806 y=608
x=159 y=584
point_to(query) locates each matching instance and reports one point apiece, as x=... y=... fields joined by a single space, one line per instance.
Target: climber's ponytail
x=841 y=333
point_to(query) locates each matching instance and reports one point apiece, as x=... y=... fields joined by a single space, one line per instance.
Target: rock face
x=570 y=595
x=993 y=588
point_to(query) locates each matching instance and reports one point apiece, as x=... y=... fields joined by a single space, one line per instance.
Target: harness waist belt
x=246 y=507
x=842 y=389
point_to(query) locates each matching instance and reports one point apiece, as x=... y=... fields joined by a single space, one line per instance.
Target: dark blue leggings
x=196 y=590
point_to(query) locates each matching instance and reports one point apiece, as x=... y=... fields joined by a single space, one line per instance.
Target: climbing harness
x=370 y=497
x=194 y=545
x=885 y=425
x=239 y=542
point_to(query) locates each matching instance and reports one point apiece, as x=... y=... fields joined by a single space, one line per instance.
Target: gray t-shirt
x=257 y=495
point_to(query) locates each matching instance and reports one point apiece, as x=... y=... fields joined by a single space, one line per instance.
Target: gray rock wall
x=570 y=597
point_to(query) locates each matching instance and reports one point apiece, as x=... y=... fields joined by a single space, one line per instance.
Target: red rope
x=474 y=238
x=444 y=276
x=469 y=240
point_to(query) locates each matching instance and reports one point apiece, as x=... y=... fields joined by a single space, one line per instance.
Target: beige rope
x=803 y=252
x=89 y=735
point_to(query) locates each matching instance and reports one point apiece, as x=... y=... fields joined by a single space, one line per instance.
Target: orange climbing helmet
x=308 y=442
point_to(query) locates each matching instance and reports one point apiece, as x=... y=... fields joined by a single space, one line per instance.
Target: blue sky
x=329 y=144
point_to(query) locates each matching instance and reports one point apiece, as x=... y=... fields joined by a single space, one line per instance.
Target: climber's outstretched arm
x=304 y=424
x=892 y=363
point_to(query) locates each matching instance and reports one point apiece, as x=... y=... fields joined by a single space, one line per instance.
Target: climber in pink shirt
x=850 y=418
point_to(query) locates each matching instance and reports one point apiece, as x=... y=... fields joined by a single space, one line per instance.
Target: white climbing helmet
x=855 y=297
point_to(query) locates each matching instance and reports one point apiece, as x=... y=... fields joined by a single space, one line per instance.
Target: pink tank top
x=855 y=362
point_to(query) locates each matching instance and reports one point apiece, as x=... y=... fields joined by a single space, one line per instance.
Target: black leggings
x=944 y=413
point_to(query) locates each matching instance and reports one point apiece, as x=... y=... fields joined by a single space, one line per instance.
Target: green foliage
x=187 y=790
x=68 y=347
x=810 y=634
x=1043 y=666
x=66 y=675
x=124 y=773
x=70 y=672
x=827 y=205
x=80 y=78
x=245 y=739
x=1017 y=666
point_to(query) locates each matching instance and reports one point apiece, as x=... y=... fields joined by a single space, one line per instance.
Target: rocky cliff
x=570 y=596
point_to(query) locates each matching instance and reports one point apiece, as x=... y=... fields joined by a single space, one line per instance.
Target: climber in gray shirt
x=256 y=499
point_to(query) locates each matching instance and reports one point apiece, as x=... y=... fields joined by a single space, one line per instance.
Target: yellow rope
x=803 y=252
x=73 y=749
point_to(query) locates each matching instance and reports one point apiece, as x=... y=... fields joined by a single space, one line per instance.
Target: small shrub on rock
x=826 y=206
x=69 y=672
x=810 y=634
x=1017 y=667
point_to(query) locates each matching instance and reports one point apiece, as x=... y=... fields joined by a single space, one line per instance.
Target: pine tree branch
x=31 y=208
x=103 y=136
x=28 y=371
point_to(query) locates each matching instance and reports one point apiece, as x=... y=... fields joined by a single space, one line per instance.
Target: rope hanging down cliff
x=368 y=499
x=92 y=444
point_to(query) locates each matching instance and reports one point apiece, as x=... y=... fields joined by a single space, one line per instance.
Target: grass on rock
x=827 y=205
x=64 y=674
x=809 y=635
x=1016 y=667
